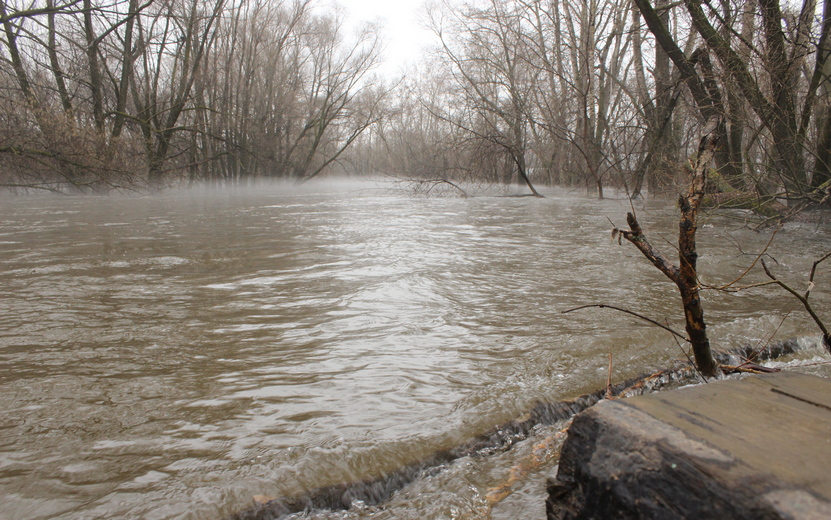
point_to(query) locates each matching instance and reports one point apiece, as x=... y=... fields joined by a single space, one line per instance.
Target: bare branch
x=826 y=337
x=635 y=314
x=752 y=264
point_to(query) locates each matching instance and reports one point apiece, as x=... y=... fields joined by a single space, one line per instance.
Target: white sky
x=404 y=37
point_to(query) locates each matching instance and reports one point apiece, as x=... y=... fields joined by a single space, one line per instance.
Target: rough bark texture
x=746 y=449
x=685 y=275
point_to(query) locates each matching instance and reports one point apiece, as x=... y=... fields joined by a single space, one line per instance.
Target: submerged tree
x=685 y=275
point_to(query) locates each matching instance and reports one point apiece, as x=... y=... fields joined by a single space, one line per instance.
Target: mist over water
x=172 y=356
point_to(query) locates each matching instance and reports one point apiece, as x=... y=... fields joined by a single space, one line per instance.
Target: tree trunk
x=126 y=71
x=95 y=87
x=17 y=61
x=665 y=155
x=685 y=277
x=822 y=79
x=52 y=50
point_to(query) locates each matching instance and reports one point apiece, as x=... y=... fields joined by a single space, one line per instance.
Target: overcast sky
x=403 y=35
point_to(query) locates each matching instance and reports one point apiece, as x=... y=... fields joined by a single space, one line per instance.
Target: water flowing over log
x=375 y=491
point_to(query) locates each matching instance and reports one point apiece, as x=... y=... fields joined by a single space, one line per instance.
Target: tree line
x=102 y=94
x=598 y=93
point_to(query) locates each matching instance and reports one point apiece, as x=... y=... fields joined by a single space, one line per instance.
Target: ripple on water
x=172 y=356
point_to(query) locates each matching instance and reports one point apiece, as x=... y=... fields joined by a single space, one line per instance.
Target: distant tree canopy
x=98 y=94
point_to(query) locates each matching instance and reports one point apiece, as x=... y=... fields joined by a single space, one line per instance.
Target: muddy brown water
x=173 y=356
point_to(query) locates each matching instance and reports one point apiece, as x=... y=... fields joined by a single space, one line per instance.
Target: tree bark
x=95 y=80
x=52 y=50
x=685 y=276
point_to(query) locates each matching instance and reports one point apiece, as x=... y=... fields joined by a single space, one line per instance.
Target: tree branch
x=826 y=337
x=635 y=314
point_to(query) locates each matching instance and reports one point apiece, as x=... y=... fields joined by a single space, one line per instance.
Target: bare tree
x=685 y=275
x=286 y=92
x=62 y=42
x=583 y=95
x=484 y=47
x=780 y=100
x=174 y=42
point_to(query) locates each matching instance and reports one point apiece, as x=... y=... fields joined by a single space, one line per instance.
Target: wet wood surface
x=759 y=447
x=776 y=425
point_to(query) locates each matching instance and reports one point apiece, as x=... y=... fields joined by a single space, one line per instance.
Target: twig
x=732 y=290
x=635 y=314
x=445 y=181
x=752 y=264
x=609 y=379
x=758 y=351
x=742 y=252
x=826 y=337
x=754 y=369
x=813 y=272
x=810 y=364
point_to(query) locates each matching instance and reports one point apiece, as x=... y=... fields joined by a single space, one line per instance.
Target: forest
x=101 y=95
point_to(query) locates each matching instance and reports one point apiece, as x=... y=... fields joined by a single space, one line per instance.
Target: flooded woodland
x=241 y=259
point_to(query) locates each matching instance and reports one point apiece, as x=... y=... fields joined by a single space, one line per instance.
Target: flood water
x=173 y=356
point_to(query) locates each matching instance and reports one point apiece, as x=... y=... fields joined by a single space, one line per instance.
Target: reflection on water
x=172 y=356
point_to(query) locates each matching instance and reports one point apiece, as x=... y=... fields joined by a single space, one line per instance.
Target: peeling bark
x=685 y=275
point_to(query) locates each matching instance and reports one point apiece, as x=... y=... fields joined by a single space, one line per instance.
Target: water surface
x=172 y=356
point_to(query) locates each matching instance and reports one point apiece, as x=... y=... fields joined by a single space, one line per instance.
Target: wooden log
x=757 y=448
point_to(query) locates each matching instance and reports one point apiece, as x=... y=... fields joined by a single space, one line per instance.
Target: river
x=172 y=356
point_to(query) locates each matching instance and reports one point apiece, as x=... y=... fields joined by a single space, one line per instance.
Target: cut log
x=758 y=448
